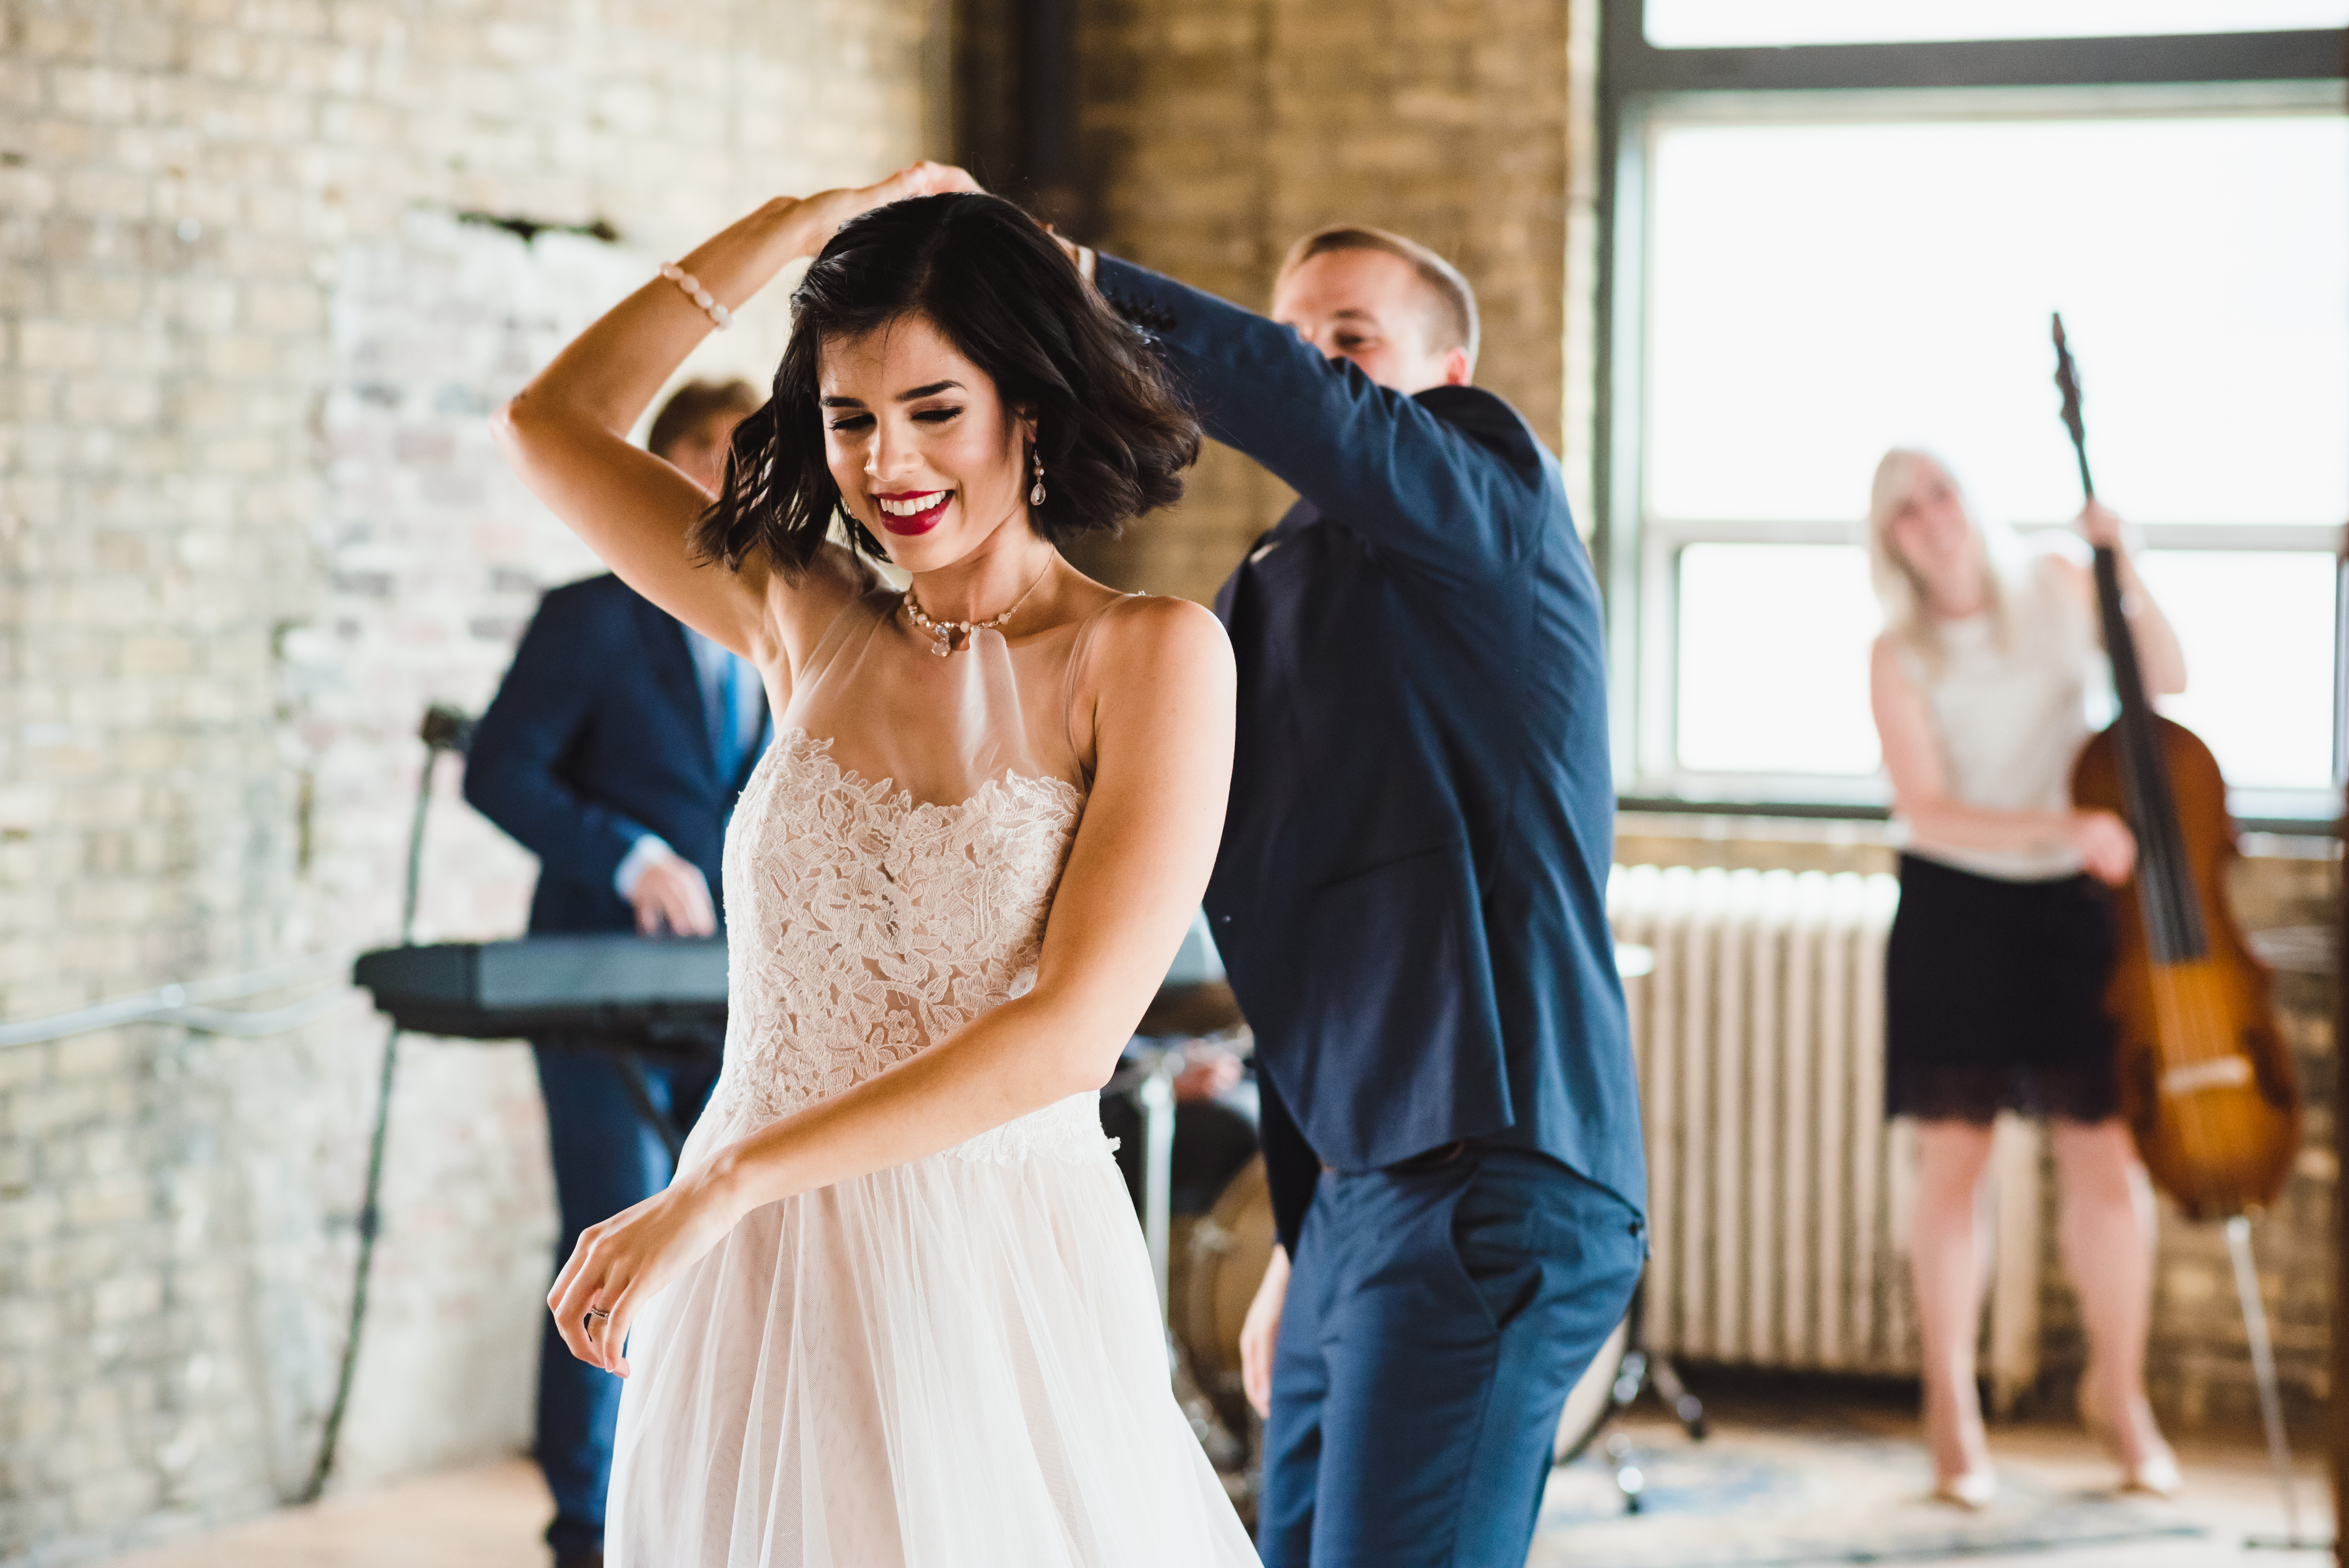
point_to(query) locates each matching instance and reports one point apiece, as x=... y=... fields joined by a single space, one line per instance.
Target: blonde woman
x=2003 y=944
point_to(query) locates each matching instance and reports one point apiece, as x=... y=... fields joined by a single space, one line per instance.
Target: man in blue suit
x=614 y=752
x=1411 y=899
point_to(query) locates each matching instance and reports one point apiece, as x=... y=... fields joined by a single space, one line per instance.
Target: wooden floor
x=2232 y=1493
x=486 y=1518
x=1827 y=1480
x=491 y=1517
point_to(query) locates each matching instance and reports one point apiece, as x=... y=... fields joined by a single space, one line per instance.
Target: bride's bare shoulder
x=1159 y=682
x=1145 y=637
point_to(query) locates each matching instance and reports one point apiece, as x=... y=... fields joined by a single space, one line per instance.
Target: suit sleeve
x=511 y=776
x=1450 y=479
x=1291 y=1169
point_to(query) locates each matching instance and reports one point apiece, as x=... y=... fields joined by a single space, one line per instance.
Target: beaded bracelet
x=698 y=295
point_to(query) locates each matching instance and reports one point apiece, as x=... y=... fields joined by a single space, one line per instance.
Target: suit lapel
x=1295 y=520
x=1258 y=606
x=1231 y=598
x=1277 y=570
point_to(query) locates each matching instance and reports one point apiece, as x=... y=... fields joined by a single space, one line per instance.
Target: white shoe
x=1972 y=1491
x=2154 y=1476
x=2157 y=1477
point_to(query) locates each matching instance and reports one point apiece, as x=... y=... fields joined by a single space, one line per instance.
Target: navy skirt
x=1995 y=997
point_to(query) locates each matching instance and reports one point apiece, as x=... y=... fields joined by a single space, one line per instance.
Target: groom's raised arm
x=1450 y=479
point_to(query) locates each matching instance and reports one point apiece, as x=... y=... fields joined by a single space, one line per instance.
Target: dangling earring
x=1036 y=495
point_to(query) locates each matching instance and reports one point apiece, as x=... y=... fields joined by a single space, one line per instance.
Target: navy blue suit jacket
x=597 y=736
x=1411 y=894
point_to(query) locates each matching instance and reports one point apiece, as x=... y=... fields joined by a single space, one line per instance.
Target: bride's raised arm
x=566 y=433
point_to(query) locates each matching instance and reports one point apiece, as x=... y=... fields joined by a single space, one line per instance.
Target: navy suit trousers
x=606 y=1159
x=1437 y=1316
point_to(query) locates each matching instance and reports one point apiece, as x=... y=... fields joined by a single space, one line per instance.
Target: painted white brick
x=250 y=522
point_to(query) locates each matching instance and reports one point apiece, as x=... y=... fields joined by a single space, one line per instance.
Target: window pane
x=1817 y=293
x=1773 y=659
x=1742 y=24
x=2257 y=629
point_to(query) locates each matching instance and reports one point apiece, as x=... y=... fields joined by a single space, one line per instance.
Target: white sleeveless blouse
x=2011 y=714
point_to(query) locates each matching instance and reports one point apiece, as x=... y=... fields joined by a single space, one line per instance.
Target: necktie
x=728 y=740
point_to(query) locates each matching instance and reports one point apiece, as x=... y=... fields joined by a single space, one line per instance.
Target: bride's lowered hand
x=625 y=1261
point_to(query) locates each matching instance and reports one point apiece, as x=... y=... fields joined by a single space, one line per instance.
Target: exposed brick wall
x=1216 y=131
x=250 y=522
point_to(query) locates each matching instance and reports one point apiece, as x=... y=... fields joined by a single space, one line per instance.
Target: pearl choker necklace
x=943 y=631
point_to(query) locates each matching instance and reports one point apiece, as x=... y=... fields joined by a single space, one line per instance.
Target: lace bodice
x=865 y=924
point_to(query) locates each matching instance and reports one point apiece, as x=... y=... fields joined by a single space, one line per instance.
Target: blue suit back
x=1411 y=894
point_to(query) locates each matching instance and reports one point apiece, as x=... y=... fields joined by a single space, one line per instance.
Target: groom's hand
x=1260 y=1332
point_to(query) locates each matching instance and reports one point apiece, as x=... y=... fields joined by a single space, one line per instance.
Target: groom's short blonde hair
x=1452 y=318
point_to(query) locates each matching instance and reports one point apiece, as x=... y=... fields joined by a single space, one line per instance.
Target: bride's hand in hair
x=945 y=178
x=826 y=210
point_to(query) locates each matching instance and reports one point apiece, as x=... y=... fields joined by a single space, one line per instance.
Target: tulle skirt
x=951 y=1364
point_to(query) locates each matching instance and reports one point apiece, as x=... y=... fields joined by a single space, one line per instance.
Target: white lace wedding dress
x=956 y=1362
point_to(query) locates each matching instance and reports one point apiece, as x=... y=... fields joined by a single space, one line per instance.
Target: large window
x=1806 y=265
x=1717 y=23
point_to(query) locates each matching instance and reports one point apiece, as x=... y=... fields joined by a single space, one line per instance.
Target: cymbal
x=1208 y=1007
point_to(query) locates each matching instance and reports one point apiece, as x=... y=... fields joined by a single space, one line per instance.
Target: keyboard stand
x=640 y=1092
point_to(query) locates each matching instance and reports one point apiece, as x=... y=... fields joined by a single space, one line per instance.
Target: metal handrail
x=189 y=1004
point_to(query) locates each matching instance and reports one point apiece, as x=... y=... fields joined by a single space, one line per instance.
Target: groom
x=1411 y=901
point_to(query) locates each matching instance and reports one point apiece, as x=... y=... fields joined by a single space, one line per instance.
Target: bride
x=894 y=1308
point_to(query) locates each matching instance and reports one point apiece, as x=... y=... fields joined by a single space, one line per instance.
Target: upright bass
x=2206 y=1084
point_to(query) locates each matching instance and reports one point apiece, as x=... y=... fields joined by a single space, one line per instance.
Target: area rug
x=1808 y=1499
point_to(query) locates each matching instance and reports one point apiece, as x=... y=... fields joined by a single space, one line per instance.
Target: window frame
x=1641 y=89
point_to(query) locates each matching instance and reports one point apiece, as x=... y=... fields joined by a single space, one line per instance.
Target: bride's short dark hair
x=1113 y=436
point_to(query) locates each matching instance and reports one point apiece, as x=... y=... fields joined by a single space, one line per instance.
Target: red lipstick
x=908 y=525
